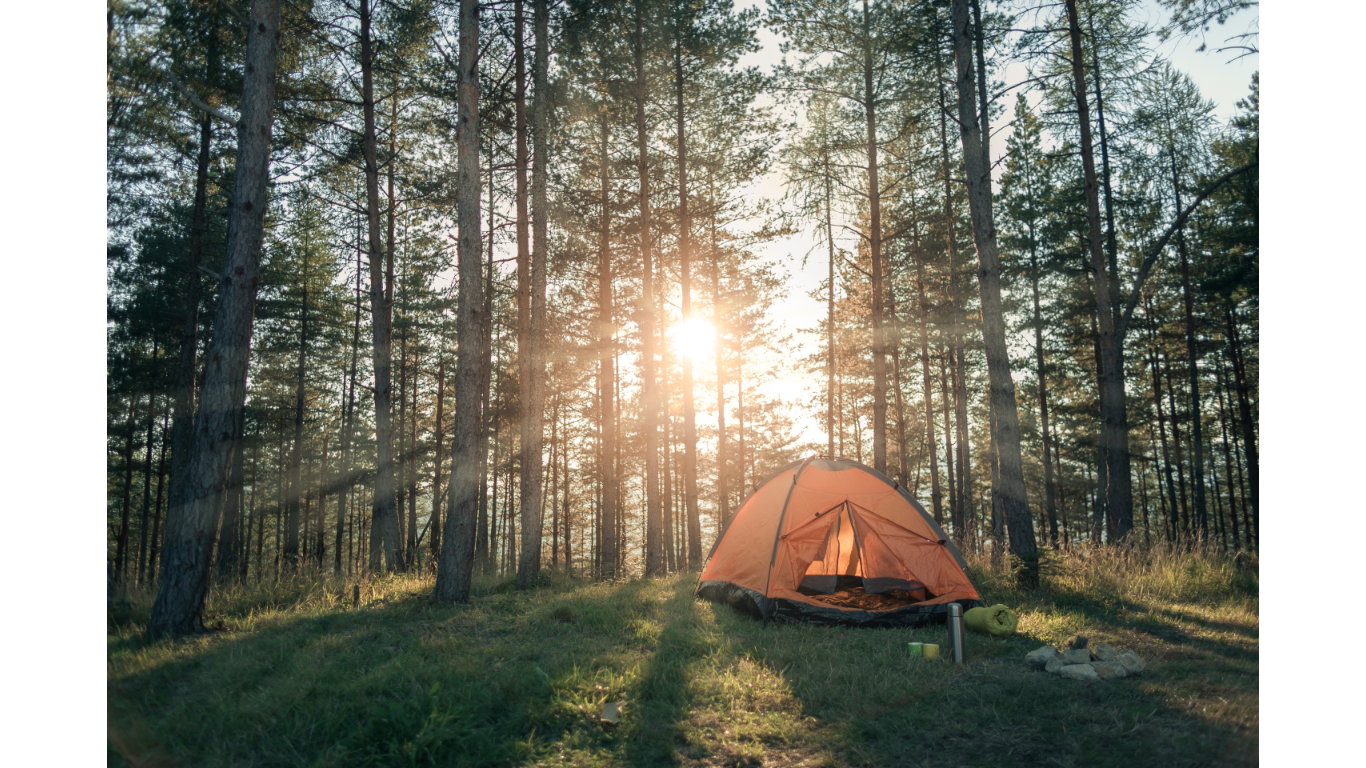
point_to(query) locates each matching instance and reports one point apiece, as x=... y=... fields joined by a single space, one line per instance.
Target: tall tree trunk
x=412 y=462
x=555 y=486
x=531 y=302
x=482 y=548
x=649 y=395
x=564 y=513
x=830 y=314
x=540 y=213
x=296 y=486
x=401 y=460
x=182 y=419
x=190 y=526
x=875 y=253
x=155 y=545
x=607 y=545
x=146 y=484
x=385 y=514
x=1245 y=419
x=456 y=569
x=1180 y=449
x=320 y=526
x=1193 y=365
x=1228 y=457
x=121 y=545
x=718 y=322
x=230 y=532
x=1050 y=503
x=901 y=451
x=957 y=508
x=435 y=522
x=1118 y=497
x=1006 y=442
x=1118 y=459
x=694 y=553
x=1161 y=419
x=252 y=516
x=936 y=495
x=348 y=420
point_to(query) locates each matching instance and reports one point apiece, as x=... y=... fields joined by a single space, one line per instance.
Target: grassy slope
x=300 y=678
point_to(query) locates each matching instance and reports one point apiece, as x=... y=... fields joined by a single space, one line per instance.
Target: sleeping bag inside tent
x=836 y=542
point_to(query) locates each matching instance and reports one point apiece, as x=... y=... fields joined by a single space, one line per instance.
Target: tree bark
x=1118 y=497
x=1228 y=454
x=385 y=514
x=190 y=525
x=1192 y=361
x=183 y=414
x=718 y=322
x=957 y=506
x=1245 y=419
x=607 y=546
x=648 y=387
x=1050 y=504
x=121 y=545
x=155 y=544
x=1006 y=444
x=694 y=520
x=344 y=463
x=146 y=482
x=230 y=532
x=296 y=488
x=875 y=253
x=487 y=396
x=435 y=523
x=936 y=495
x=830 y=315
x=456 y=568
x=531 y=274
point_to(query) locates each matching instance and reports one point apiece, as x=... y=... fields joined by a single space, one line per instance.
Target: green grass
x=301 y=678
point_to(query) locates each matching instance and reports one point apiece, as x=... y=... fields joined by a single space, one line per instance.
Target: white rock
x=1041 y=656
x=1104 y=652
x=1078 y=656
x=1108 y=669
x=1133 y=663
x=1054 y=664
x=1079 y=672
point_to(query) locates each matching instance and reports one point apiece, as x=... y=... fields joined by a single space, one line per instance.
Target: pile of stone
x=1100 y=663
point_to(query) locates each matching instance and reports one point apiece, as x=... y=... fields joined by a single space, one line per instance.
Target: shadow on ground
x=520 y=679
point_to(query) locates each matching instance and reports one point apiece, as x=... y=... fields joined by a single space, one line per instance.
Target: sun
x=693 y=338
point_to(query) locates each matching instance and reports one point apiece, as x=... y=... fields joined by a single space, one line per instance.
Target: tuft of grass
x=300 y=677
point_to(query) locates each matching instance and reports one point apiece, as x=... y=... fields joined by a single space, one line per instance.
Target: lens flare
x=694 y=338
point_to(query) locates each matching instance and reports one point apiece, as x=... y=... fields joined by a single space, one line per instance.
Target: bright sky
x=1221 y=81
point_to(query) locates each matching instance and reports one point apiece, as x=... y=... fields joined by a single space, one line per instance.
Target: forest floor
x=296 y=676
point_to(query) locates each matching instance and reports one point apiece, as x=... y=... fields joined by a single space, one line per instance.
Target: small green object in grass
x=997 y=620
x=916 y=649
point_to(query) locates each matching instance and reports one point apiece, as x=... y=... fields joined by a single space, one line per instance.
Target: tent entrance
x=838 y=554
x=853 y=566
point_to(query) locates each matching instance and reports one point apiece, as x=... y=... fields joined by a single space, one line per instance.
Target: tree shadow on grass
x=662 y=696
x=514 y=678
x=520 y=678
x=881 y=707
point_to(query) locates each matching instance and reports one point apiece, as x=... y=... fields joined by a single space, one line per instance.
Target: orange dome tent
x=834 y=541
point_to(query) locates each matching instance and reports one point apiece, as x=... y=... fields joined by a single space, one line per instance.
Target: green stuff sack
x=996 y=620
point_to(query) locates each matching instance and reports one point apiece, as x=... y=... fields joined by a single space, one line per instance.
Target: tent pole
x=773 y=558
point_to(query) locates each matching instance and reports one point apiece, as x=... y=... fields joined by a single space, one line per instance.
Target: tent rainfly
x=833 y=541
